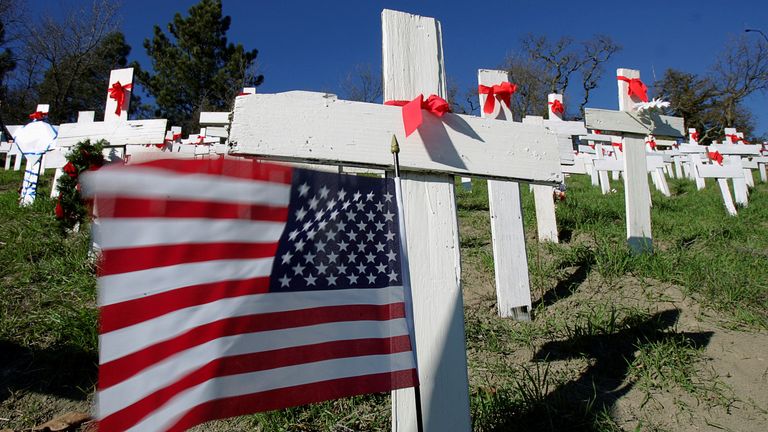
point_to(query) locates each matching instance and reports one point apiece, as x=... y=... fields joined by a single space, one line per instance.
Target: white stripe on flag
x=122 y=287
x=153 y=183
x=119 y=343
x=170 y=370
x=127 y=233
x=237 y=385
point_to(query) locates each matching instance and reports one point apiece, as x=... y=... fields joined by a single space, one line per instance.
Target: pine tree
x=195 y=68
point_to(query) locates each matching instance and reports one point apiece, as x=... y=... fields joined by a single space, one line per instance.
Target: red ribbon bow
x=503 y=91
x=734 y=138
x=716 y=156
x=651 y=143
x=70 y=169
x=412 y=117
x=200 y=139
x=38 y=115
x=619 y=145
x=636 y=88
x=117 y=92
x=695 y=136
x=557 y=107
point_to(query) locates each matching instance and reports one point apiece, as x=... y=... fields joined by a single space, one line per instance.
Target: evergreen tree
x=195 y=68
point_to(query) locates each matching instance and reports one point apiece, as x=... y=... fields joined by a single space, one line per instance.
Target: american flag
x=230 y=287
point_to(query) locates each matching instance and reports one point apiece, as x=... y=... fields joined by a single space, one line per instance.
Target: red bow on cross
x=695 y=136
x=412 y=117
x=651 y=143
x=201 y=139
x=117 y=92
x=503 y=91
x=636 y=88
x=557 y=107
x=716 y=156
x=38 y=115
x=734 y=138
x=619 y=145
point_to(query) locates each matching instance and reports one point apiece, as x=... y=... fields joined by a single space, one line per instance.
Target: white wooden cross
x=333 y=131
x=634 y=127
x=513 y=290
x=116 y=128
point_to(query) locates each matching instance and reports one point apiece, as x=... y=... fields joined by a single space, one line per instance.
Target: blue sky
x=312 y=45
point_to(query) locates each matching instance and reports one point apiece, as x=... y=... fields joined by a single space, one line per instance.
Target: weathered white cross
x=332 y=131
x=116 y=128
x=634 y=127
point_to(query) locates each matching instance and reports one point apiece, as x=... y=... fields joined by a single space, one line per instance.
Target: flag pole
x=395 y=149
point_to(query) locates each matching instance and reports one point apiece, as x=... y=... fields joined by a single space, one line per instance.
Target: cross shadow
x=65 y=371
x=565 y=287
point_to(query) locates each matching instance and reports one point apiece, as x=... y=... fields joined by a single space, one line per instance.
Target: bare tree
x=362 y=84
x=544 y=66
x=740 y=70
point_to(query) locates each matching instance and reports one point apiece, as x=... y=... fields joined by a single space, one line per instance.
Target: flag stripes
x=192 y=328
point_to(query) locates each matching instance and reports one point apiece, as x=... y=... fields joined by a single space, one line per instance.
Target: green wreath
x=71 y=209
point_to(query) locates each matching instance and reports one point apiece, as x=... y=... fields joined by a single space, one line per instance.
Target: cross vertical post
x=413 y=64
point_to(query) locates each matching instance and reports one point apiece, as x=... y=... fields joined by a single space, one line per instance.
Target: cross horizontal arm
x=323 y=129
x=118 y=133
x=634 y=123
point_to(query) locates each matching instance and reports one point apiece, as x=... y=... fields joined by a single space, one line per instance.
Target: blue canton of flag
x=341 y=233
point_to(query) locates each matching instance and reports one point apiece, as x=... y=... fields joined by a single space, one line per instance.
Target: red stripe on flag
x=254 y=362
x=236 y=168
x=165 y=208
x=116 y=261
x=120 y=315
x=118 y=370
x=293 y=396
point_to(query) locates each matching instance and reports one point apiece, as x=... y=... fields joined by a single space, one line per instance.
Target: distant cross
x=634 y=127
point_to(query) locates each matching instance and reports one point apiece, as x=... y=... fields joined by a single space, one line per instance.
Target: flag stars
x=370 y=257
x=320 y=246
x=293 y=234
x=342 y=268
x=382 y=268
x=310 y=280
x=322 y=268
x=303 y=189
x=370 y=216
x=369 y=196
x=351 y=215
x=388 y=216
x=390 y=236
x=332 y=257
x=345 y=204
x=307 y=226
x=319 y=215
x=352 y=278
x=360 y=205
x=380 y=247
x=343 y=246
x=341 y=226
x=371 y=279
x=324 y=192
x=379 y=226
x=331 y=280
x=361 y=247
x=334 y=215
x=330 y=204
x=370 y=236
x=361 y=226
x=300 y=213
x=321 y=225
x=392 y=256
x=380 y=206
x=284 y=281
x=287 y=257
x=341 y=194
x=311 y=234
x=313 y=202
x=392 y=276
x=360 y=268
x=388 y=197
x=298 y=269
x=309 y=257
x=300 y=245
x=356 y=196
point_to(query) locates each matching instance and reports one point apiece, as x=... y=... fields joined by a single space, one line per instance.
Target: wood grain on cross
x=513 y=290
x=336 y=132
x=634 y=127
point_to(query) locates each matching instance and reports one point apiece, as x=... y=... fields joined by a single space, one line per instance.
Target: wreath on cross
x=71 y=209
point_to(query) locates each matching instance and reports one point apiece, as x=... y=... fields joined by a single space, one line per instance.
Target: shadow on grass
x=63 y=371
x=565 y=287
x=583 y=404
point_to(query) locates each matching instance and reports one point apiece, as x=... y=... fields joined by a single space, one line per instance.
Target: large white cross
x=116 y=129
x=634 y=127
x=333 y=131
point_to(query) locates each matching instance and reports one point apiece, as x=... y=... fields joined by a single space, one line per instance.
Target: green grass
x=594 y=336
